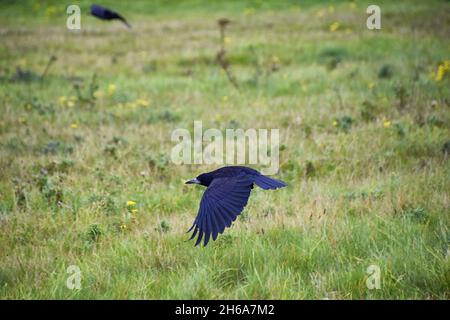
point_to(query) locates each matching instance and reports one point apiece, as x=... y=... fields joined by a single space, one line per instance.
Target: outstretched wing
x=222 y=202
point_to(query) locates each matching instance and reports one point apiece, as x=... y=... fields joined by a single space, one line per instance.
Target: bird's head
x=204 y=179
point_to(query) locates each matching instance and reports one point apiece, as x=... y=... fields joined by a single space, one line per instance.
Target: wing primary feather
x=208 y=229
x=199 y=239
x=214 y=224
x=194 y=233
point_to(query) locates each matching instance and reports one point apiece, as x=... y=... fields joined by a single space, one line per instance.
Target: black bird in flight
x=107 y=14
x=227 y=193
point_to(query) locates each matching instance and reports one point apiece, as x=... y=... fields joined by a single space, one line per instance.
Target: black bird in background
x=227 y=193
x=107 y=14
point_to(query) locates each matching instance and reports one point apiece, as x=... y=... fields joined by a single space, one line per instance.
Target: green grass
x=362 y=120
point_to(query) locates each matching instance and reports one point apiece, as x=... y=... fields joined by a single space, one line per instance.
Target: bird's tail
x=268 y=183
x=124 y=21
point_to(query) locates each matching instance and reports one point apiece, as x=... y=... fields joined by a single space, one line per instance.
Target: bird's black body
x=225 y=172
x=227 y=193
x=107 y=14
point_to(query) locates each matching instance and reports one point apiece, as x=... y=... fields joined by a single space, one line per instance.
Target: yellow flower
x=111 y=89
x=334 y=26
x=134 y=210
x=225 y=98
x=440 y=73
x=335 y=123
x=123 y=227
x=386 y=123
x=131 y=203
x=442 y=70
x=227 y=40
x=74 y=125
x=70 y=104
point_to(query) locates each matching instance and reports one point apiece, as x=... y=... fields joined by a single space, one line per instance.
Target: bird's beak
x=193 y=181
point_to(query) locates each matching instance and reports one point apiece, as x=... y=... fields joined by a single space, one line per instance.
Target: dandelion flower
x=70 y=104
x=440 y=73
x=335 y=123
x=386 y=123
x=134 y=210
x=227 y=40
x=334 y=26
x=131 y=203
x=74 y=125
x=442 y=70
x=123 y=227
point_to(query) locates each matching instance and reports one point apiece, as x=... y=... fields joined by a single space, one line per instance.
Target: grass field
x=364 y=119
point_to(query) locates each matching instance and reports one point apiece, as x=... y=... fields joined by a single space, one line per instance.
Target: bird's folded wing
x=222 y=202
